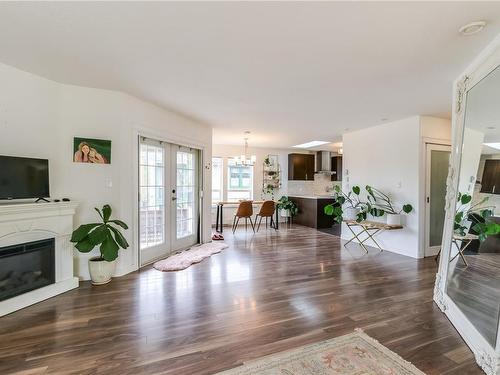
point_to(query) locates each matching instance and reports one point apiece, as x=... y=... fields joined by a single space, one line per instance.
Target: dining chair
x=266 y=210
x=245 y=210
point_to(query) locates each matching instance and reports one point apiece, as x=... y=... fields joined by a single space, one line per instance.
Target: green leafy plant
x=350 y=200
x=286 y=204
x=380 y=203
x=478 y=215
x=104 y=234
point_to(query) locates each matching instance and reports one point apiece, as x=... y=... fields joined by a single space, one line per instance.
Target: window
x=239 y=181
x=151 y=185
x=217 y=179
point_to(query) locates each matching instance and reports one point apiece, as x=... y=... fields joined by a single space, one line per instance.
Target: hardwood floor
x=476 y=291
x=266 y=293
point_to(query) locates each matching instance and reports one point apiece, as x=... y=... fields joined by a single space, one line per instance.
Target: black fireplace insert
x=25 y=267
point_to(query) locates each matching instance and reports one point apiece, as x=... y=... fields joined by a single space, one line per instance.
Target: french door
x=169 y=208
x=437 y=160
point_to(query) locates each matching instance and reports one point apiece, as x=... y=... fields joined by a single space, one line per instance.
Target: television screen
x=23 y=178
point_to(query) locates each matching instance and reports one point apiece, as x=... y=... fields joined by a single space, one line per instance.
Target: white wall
x=390 y=158
x=39 y=118
x=435 y=128
x=387 y=157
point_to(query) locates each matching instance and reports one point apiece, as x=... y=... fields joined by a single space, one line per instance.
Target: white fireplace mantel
x=26 y=222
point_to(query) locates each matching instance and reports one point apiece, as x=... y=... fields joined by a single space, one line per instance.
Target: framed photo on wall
x=90 y=150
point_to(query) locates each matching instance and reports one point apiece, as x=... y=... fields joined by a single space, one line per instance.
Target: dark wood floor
x=476 y=291
x=266 y=293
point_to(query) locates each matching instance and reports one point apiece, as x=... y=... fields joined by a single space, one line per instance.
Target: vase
x=285 y=213
x=394 y=219
x=101 y=271
x=351 y=213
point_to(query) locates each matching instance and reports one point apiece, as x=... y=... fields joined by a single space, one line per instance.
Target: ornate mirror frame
x=487 y=357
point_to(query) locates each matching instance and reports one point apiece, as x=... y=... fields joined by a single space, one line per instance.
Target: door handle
x=174 y=198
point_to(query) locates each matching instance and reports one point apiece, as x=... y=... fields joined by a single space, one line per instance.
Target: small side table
x=462 y=240
x=370 y=228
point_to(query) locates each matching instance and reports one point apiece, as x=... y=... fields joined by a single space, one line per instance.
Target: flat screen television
x=23 y=178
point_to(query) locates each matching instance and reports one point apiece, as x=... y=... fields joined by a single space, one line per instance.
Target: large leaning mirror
x=468 y=282
x=474 y=270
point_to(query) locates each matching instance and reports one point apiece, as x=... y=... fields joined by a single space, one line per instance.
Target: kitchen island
x=311 y=210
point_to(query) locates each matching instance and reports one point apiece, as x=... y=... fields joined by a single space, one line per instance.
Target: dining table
x=219 y=222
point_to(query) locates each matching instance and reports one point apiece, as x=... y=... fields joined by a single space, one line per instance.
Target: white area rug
x=194 y=255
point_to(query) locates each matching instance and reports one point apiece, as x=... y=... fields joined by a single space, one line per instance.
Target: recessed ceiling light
x=311 y=144
x=493 y=145
x=472 y=28
x=383 y=119
x=491 y=127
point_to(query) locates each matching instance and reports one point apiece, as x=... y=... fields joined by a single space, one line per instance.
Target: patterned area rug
x=352 y=354
x=196 y=254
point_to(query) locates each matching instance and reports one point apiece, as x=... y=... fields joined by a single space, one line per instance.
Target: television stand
x=42 y=199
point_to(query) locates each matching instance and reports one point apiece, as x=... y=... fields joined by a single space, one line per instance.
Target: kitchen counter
x=311 y=210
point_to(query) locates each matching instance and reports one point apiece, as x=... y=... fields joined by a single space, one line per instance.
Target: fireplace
x=25 y=267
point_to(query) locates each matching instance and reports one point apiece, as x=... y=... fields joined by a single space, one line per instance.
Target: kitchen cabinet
x=337 y=168
x=301 y=167
x=490 y=182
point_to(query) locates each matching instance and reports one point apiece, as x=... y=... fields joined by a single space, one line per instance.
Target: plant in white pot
x=474 y=215
x=287 y=207
x=108 y=237
x=347 y=206
x=381 y=203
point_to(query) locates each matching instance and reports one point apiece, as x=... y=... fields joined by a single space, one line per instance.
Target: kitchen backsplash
x=321 y=185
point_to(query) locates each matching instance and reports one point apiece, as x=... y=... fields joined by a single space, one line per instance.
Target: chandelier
x=244 y=159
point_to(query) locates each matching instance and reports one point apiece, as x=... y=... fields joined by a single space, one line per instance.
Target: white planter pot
x=350 y=213
x=394 y=219
x=101 y=271
x=285 y=213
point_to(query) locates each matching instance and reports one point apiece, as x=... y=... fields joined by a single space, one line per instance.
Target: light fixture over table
x=243 y=159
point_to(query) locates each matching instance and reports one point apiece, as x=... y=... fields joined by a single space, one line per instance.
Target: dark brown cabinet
x=337 y=168
x=301 y=167
x=312 y=212
x=490 y=182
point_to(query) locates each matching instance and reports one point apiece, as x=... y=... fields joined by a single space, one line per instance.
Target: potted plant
x=287 y=207
x=108 y=237
x=476 y=216
x=347 y=206
x=381 y=203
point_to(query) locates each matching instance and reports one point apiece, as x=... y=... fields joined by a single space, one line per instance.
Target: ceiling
x=289 y=72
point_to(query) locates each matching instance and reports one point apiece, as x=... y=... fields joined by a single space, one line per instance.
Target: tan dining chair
x=266 y=210
x=245 y=210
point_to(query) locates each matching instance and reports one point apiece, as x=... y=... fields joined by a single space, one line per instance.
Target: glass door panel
x=185 y=197
x=152 y=212
x=437 y=160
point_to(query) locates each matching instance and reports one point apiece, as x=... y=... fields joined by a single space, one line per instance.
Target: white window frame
x=238 y=190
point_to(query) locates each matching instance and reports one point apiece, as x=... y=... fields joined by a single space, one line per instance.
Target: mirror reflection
x=474 y=269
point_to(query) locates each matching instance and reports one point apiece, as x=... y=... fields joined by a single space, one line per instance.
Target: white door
x=437 y=160
x=168 y=199
x=184 y=197
x=153 y=217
